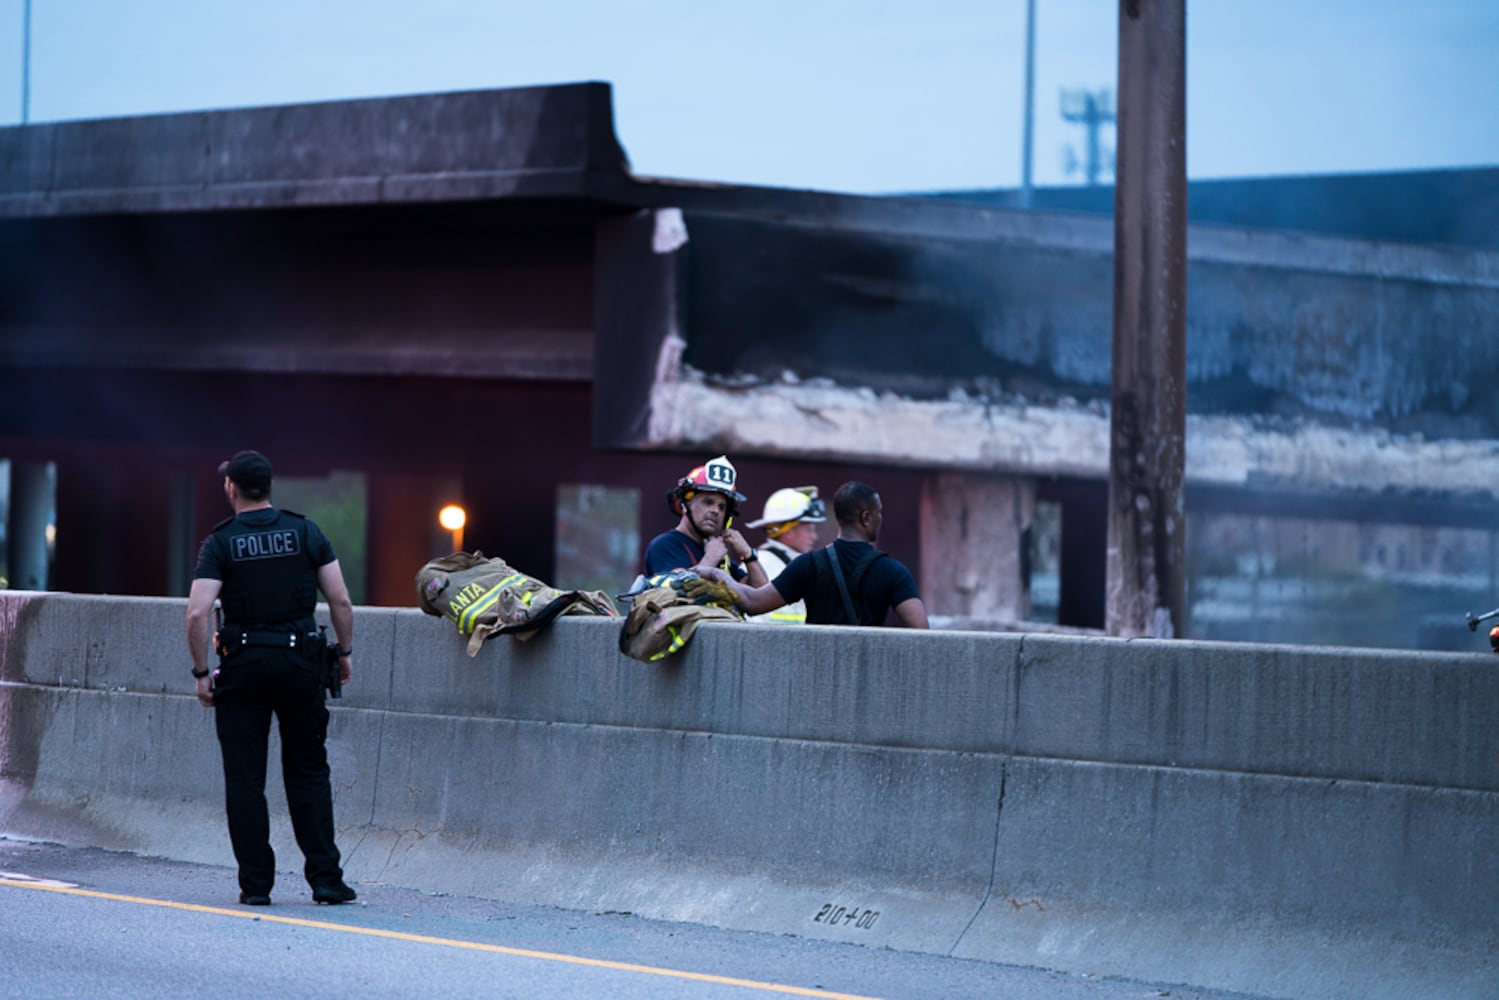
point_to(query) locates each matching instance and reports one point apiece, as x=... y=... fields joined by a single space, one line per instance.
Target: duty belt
x=231 y=641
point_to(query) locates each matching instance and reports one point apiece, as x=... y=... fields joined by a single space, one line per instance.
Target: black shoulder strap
x=780 y=551
x=848 y=605
x=870 y=557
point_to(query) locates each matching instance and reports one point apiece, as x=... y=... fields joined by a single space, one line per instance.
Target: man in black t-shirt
x=847 y=583
x=265 y=567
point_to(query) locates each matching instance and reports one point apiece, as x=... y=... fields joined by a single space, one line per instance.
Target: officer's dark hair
x=254 y=494
x=852 y=499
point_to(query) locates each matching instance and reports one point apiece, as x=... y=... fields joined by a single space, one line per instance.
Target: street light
x=453 y=518
x=26 y=63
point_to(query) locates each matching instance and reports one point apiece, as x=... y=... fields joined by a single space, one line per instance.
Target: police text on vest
x=264 y=545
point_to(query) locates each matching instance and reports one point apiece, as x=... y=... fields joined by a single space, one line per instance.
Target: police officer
x=265 y=567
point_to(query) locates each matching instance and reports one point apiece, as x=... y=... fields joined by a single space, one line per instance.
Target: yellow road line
x=597 y=963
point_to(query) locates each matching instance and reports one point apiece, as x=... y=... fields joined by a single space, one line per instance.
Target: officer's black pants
x=252 y=686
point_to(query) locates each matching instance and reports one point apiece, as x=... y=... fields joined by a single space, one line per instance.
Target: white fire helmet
x=799 y=503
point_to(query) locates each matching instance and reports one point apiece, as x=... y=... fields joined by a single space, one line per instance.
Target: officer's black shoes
x=253 y=899
x=333 y=894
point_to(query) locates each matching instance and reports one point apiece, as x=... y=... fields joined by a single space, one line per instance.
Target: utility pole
x=1147 y=446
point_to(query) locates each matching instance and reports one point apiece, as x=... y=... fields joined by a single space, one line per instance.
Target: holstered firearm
x=332 y=679
x=218 y=629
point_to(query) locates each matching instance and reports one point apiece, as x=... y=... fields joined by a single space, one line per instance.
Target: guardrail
x=1280 y=820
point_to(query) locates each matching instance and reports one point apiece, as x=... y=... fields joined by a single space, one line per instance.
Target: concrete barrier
x=1278 y=820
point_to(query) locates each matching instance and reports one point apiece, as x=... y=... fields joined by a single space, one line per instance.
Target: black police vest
x=269 y=576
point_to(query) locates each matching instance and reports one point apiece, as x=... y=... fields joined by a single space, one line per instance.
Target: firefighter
x=705 y=502
x=790 y=521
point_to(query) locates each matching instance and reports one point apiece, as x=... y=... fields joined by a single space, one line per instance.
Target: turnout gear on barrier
x=265 y=567
x=667 y=608
x=488 y=597
x=687 y=585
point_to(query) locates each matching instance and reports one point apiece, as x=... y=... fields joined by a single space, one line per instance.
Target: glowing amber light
x=452 y=517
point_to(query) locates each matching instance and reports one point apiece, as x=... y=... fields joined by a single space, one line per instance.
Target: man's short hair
x=852 y=499
x=250 y=471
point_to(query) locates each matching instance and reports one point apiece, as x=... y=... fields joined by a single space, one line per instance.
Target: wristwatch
x=200 y=674
x=752 y=557
x=341 y=651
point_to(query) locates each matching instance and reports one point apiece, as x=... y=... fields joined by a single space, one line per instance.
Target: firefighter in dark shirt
x=265 y=567
x=705 y=502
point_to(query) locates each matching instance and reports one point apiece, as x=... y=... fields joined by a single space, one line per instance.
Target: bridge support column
x=32 y=489
x=975 y=546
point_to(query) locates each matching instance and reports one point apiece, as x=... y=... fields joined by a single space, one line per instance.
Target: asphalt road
x=90 y=923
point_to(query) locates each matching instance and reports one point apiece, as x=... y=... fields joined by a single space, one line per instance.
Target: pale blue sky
x=867 y=96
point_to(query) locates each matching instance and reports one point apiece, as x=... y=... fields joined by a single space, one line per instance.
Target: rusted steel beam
x=1147 y=446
